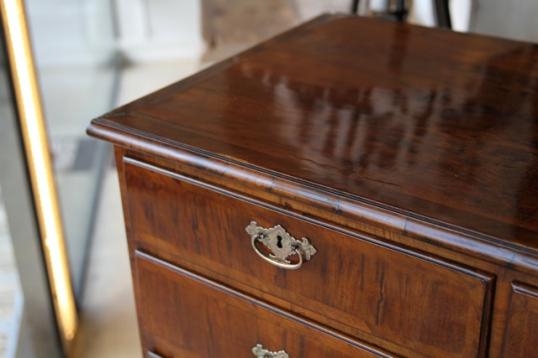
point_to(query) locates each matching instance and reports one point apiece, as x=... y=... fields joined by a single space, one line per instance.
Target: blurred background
x=94 y=55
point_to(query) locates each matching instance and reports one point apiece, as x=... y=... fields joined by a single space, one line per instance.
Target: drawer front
x=521 y=336
x=185 y=315
x=389 y=296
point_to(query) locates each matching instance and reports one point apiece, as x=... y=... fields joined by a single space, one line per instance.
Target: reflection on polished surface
x=401 y=115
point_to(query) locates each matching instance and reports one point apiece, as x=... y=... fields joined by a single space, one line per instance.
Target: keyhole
x=279 y=241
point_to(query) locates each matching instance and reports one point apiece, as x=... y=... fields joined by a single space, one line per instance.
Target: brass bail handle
x=281 y=246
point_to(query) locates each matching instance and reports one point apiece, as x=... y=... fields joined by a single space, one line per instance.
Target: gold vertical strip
x=39 y=166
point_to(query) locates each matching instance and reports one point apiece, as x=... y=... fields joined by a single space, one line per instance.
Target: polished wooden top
x=435 y=124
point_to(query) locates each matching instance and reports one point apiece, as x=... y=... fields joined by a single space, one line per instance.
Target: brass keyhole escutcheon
x=281 y=249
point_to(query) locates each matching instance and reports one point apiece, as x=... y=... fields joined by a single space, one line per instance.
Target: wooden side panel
x=185 y=315
x=521 y=337
x=417 y=304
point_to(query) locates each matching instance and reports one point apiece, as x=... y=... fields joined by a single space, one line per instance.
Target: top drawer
x=389 y=296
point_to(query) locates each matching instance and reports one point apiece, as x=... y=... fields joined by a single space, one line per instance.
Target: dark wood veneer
x=521 y=338
x=389 y=294
x=186 y=315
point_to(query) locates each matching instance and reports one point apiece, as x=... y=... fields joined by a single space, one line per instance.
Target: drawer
x=521 y=334
x=391 y=296
x=185 y=315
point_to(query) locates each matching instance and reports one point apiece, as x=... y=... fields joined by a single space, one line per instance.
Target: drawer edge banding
x=252 y=300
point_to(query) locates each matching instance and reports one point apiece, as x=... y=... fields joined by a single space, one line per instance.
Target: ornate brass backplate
x=261 y=352
x=281 y=245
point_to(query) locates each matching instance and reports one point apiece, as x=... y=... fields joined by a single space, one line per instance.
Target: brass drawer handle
x=281 y=246
x=261 y=352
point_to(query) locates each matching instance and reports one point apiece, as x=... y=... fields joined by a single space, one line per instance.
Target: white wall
x=460 y=11
x=70 y=32
x=516 y=19
x=160 y=29
x=81 y=32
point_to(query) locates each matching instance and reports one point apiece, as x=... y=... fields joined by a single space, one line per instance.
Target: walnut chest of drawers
x=352 y=187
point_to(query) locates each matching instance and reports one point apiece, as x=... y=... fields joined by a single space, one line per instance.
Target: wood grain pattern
x=434 y=123
x=332 y=208
x=419 y=303
x=521 y=339
x=184 y=315
x=408 y=156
